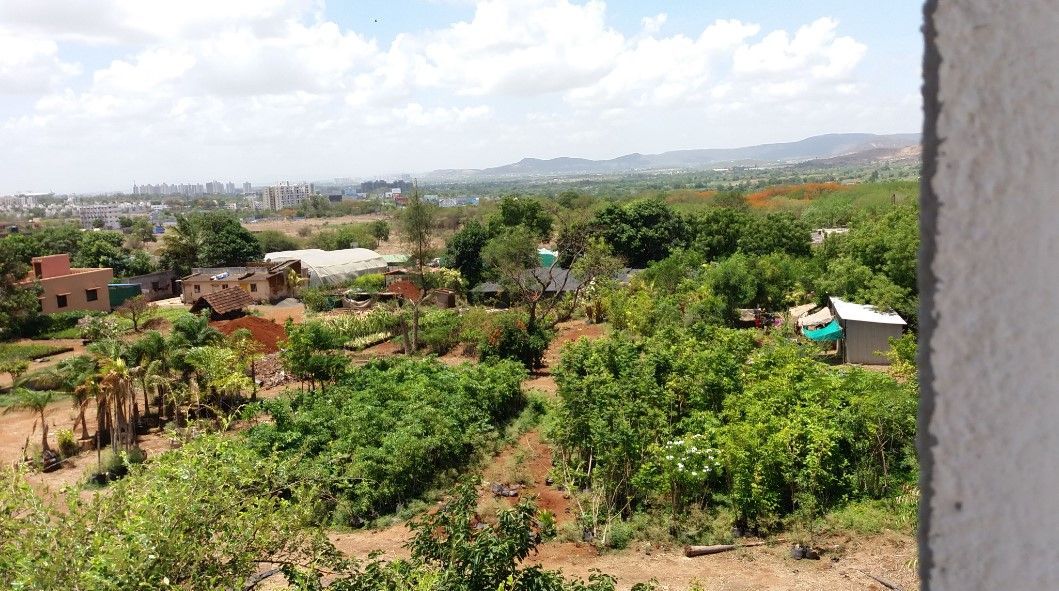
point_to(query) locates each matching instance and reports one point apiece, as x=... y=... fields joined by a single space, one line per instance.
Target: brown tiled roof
x=224 y=301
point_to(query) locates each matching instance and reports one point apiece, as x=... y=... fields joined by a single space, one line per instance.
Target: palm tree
x=116 y=409
x=294 y=281
x=36 y=401
x=75 y=376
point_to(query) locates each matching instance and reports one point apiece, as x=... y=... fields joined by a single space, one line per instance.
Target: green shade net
x=831 y=332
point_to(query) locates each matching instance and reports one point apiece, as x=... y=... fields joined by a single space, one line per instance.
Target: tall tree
x=417 y=226
x=522 y=211
x=463 y=251
x=212 y=239
x=18 y=303
x=642 y=231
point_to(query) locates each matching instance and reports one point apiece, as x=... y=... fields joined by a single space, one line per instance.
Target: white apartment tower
x=283 y=195
x=108 y=212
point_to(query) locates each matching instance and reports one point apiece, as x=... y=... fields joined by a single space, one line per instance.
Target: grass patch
x=899 y=514
x=165 y=313
x=28 y=351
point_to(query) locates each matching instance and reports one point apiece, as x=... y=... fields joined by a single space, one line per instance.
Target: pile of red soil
x=266 y=332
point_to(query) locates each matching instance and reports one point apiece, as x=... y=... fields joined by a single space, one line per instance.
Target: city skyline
x=311 y=91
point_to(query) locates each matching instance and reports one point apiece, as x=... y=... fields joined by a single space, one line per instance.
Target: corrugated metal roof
x=821 y=316
x=862 y=313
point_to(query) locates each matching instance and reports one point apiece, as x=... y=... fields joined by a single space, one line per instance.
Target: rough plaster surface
x=991 y=381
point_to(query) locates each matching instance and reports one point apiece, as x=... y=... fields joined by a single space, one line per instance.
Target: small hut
x=227 y=304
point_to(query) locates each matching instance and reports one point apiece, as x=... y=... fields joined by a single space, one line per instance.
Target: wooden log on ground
x=882 y=581
x=693 y=551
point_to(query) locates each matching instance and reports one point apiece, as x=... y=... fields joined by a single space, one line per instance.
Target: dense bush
x=439 y=330
x=317 y=299
x=200 y=518
x=388 y=431
x=705 y=417
x=509 y=337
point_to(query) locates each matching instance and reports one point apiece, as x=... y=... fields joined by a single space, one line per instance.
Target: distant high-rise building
x=283 y=195
x=247 y=187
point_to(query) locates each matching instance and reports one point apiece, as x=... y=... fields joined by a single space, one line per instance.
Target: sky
x=95 y=96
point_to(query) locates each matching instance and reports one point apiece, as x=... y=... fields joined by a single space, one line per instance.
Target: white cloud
x=281 y=82
x=815 y=49
x=653 y=24
x=30 y=64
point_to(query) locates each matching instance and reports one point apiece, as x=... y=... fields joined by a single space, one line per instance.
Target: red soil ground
x=266 y=332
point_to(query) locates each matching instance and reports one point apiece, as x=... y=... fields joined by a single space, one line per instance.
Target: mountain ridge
x=819 y=147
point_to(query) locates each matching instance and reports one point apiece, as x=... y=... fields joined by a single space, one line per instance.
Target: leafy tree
x=221 y=369
x=463 y=251
x=776 y=232
x=137 y=310
x=734 y=282
x=198 y=518
x=18 y=303
x=380 y=229
x=275 y=241
x=641 y=231
x=718 y=231
x=417 y=224
x=100 y=249
x=15 y=368
x=520 y=211
x=211 y=239
x=226 y=242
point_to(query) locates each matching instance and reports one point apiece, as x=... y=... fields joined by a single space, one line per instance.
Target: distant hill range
x=836 y=149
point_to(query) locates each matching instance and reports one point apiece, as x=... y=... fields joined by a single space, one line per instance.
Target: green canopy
x=831 y=332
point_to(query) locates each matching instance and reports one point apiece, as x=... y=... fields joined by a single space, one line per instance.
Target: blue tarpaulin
x=830 y=332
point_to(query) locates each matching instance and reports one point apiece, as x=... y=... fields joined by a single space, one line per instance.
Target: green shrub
x=317 y=299
x=385 y=433
x=439 y=330
x=68 y=446
x=475 y=326
x=510 y=338
x=370 y=283
x=114 y=466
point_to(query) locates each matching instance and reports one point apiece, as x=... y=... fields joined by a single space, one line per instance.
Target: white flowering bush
x=681 y=470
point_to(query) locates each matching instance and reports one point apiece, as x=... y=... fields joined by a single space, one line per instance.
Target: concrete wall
x=51 y=266
x=74 y=286
x=989 y=422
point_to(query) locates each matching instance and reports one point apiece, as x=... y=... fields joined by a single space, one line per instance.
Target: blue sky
x=96 y=96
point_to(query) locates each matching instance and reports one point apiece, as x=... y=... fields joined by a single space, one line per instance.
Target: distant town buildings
x=107 y=213
x=285 y=195
x=190 y=189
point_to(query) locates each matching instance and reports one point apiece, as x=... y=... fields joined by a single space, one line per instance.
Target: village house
x=64 y=289
x=263 y=282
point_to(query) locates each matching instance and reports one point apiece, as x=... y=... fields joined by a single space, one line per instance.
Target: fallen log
x=693 y=551
x=882 y=581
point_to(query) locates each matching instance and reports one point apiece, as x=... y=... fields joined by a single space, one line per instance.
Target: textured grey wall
x=989 y=424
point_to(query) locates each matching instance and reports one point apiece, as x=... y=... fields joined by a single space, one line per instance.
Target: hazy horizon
x=95 y=98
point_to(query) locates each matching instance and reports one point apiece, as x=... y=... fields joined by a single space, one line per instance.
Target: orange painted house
x=64 y=288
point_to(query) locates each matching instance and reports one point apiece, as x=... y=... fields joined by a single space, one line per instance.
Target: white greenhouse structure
x=333 y=267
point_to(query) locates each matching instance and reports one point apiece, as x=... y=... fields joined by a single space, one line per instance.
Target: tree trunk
x=84 y=422
x=253 y=379
x=43 y=432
